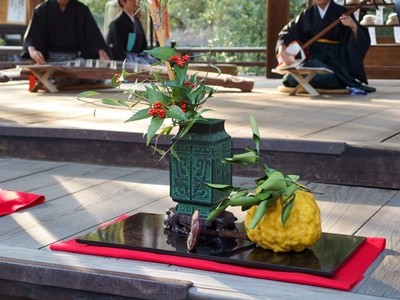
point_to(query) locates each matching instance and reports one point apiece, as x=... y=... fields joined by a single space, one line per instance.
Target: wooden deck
x=81 y=196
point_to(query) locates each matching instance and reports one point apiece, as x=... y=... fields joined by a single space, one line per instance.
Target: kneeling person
x=126 y=37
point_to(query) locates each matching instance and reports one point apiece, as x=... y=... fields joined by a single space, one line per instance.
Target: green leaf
x=246 y=207
x=162 y=53
x=263 y=195
x=247 y=200
x=260 y=180
x=153 y=95
x=139 y=115
x=159 y=151
x=220 y=187
x=287 y=208
x=115 y=102
x=259 y=214
x=215 y=213
x=87 y=94
x=290 y=190
x=218 y=210
x=268 y=170
x=166 y=130
x=256 y=133
x=276 y=182
x=293 y=178
x=155 y=124
x=244 y=159
x=175 y=112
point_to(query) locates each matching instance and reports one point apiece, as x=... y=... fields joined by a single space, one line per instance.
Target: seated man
x=126 y=37
x=62 y=30
x=342 y=49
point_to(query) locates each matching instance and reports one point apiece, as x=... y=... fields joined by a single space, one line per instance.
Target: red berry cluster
x=180 y=61
x=187 y=83
x=157 y=110
x=183 y=105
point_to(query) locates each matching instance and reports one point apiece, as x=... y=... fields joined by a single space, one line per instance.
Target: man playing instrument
x=126 y=37
x=62 y=30
x=342 y=49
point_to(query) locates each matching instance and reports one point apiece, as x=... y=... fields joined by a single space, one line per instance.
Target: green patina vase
x=200 y=152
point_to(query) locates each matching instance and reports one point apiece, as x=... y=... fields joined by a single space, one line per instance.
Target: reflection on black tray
x=145 y=232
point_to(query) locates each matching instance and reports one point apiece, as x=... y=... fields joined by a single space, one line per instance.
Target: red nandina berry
x=187 y=83
x=174 y=58
x=152 y=112
x=157 y=105
x=185 y=57
x=161 y=113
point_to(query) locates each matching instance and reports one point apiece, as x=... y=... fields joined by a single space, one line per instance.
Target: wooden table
x=80 y=197
x=303 y=75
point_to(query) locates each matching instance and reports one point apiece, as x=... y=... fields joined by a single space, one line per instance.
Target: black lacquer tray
x=145 y=232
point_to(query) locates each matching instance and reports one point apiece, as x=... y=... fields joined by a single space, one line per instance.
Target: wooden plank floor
x=80 y=197
x=362 y=119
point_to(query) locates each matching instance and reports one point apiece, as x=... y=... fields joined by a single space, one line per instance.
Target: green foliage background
x=215 y=23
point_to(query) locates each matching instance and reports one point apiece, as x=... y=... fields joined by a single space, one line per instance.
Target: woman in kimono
x=126 y=37
x=62 y=30
x=342 y=49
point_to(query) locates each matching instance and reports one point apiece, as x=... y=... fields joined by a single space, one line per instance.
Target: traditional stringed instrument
x=297 y=50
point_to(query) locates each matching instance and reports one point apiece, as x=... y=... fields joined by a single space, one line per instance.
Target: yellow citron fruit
x=302 y=228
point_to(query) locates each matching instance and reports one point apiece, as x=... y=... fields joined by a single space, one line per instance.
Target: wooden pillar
x=277 y=16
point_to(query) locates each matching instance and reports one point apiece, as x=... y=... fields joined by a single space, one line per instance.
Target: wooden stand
x=303 y=75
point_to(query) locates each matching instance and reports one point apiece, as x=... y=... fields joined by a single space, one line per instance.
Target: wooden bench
x=303 y=75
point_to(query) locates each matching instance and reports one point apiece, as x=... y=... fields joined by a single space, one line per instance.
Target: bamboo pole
x=154 y=13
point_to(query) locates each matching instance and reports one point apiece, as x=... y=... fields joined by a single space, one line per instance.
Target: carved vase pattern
x=200 y=154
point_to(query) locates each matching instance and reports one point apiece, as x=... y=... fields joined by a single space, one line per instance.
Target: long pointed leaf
x=244 y=159
x=286 y=209
x=256 y=132
x=139 y=115
x=87 y=94
x=259 y=214
x=155 y=124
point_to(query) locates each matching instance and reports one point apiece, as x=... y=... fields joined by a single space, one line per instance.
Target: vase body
x=201 y=152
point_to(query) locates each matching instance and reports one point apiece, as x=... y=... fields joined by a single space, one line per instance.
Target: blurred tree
x=97 y=9
x=212 y=22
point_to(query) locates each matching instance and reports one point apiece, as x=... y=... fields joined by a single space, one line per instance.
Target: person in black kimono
x=342 y=49
x=62 y=30
x=126 y=37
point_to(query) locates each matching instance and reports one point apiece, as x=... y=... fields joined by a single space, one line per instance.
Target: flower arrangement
x=169 y=101
x=173 y=99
